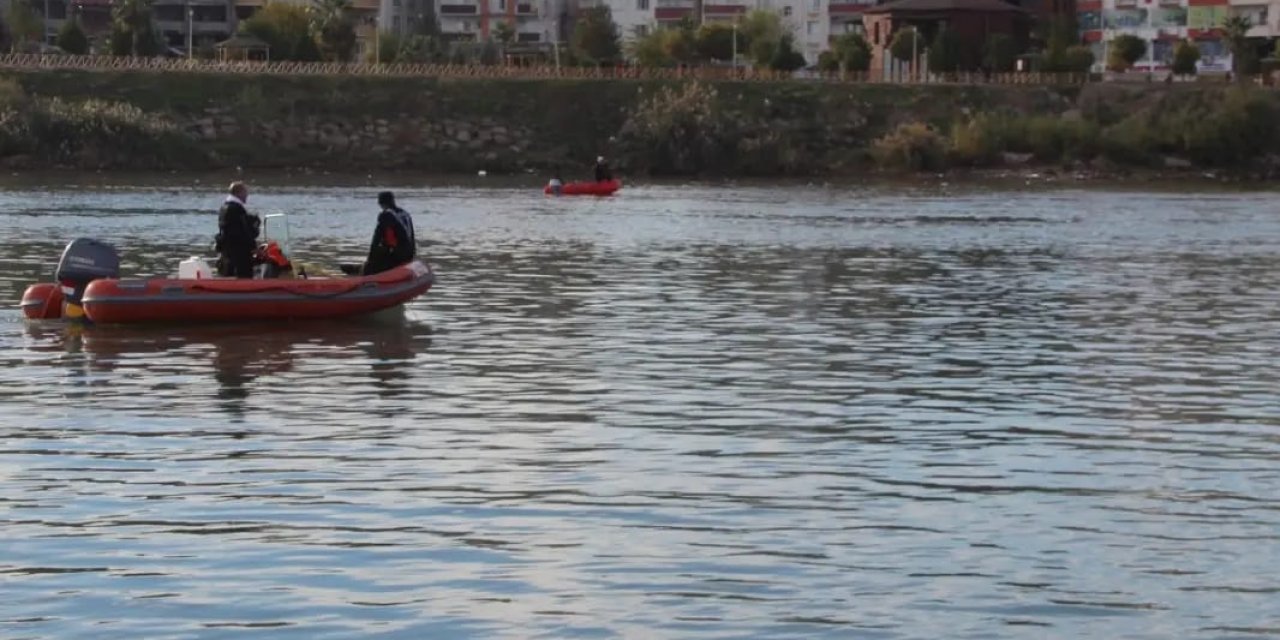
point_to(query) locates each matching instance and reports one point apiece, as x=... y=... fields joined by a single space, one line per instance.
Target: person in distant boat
x=556 y=185
x=602 y=170
x=393 y=243
x=237 y=234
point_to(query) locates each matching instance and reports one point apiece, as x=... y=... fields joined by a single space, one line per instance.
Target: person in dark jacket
x=394 y=242
x=603 y=174
x=237 y=234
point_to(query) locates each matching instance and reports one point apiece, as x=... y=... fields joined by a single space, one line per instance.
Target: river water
x=688 y=411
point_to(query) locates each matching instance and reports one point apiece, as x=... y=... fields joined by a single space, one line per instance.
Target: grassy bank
x=184 y=120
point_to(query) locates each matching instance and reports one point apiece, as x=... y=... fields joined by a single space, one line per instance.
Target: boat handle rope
x=314 y=296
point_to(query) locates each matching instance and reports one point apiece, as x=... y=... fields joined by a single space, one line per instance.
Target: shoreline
x=1009 y=178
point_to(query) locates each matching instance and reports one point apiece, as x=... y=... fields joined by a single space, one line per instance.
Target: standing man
x=603 y=174
x=394 y=242
x=237 y=234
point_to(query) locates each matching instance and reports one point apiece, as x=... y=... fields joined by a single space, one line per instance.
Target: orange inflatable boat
x=88 y=286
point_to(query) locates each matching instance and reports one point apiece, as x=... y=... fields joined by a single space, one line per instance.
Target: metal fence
x=36 y=62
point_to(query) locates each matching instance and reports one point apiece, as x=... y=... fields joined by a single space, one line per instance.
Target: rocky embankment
x=166 y=120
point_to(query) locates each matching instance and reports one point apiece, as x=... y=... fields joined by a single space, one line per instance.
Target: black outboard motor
x=83 y=261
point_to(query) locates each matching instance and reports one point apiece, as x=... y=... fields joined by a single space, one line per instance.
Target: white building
x=535 y=21
x=1165 y=23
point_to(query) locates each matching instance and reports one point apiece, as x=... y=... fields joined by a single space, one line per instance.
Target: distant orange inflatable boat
x=606 y=188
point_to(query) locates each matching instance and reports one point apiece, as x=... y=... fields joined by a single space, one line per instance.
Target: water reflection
x=242 y=357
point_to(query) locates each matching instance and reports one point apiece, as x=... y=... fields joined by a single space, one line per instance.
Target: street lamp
x=735 y=47
x=44 y=37
x=191 y=16
x=915 y=53
x=556 y=43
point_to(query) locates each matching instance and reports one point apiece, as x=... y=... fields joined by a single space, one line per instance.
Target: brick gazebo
x=973 y=22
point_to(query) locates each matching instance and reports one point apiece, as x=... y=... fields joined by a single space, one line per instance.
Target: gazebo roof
x=243 y=41
x=941 y=6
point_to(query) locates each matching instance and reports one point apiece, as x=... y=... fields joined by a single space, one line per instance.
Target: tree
x=680 y=45
x=420 y=48
x=133 y=32
x=504 y=33
x=71 y=38
x=1078 y=59
x=489 y=55
x=388 y=49
x=715 y=42
x=1062 y=36
x=761 y=31
x=906 y=44
x=426 y=23
x=944 y=54
x=1125 y=50
x=785 y=57
x=334 y=28
x=647 y=50
x=24 y=25
x=286 y=28
x=852 y=52
x=1235 y=32
x=1185 y=57
x=595 y=36
x=1001 y=53
x=760 y=25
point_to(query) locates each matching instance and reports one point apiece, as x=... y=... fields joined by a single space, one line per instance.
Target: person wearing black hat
x=394 y=242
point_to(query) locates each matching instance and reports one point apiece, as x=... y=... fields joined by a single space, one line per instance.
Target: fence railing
x=33 y=62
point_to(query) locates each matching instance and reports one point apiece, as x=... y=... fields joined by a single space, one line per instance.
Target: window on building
x=642 y=30
x=502 y=5
x=810 y=28
x=816 y=5
x=786 y=11
x=642 y=5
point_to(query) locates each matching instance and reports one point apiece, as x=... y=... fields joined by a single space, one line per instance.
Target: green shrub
x=906 y=44
x=944 y=54
x=978 y=140
x=72 y=39
x=1124 y=51
x=680 y=130
x=1078 y=59
x=913 y=146
x=1185 y=57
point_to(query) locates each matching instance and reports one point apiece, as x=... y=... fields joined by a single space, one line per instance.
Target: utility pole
x=44 y=37
x=191 y=18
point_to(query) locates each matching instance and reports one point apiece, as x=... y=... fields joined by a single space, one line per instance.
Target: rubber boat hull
x=606 y=188
x=165 y=300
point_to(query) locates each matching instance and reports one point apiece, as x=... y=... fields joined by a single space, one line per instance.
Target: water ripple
x=688 y=411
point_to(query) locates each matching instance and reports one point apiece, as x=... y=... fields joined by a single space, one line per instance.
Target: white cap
x=599 y=158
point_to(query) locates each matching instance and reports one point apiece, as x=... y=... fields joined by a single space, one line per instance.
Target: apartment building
x=809 y=21
x=200 y=22
x=534 y=21
x=1164 y=23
